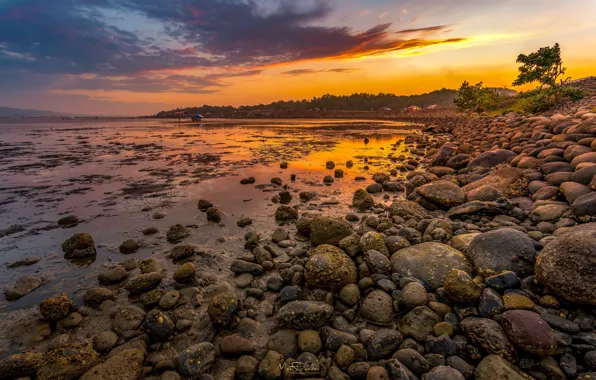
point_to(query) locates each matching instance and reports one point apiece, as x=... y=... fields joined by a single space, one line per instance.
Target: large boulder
x=530 y=332
x=377 y=308
x=126 y=365
x=66 y=362
x=327 y=230
x=329 y=268
x=407 y=209
x=445 y=152
x=440 y=195
x=490 y=336
x=362 y=200
x=511 y=182
x=491 y=158
x=566 y=265
x=501 y=250
x=79 y=246
x=429 y=262
x=584 y=207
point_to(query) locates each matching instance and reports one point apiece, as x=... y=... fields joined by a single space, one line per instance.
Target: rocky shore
x=481 y=264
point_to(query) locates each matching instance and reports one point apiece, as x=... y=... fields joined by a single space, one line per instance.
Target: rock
x=419 y=323
x=150 y=265
x=327 y=230
x=56 y=307
x=484 y=193
x=94 y=297
x=398 y=371
x=169 y=299
x=214 y=215
x=442 y=194
x=285 y=212
x=150 y=231
x=248 y=181
x=511 y=182
x=79 y=246
x=158 y=325
x=501 y=250
x=413 y=360
x=67 y=362
x=23 y=262
x=377 y=307
x=112 y=274
x=185 y=273
x=68 y=221
x=246 y=367
x=127 y=365
x=144 y=282
x=492 y=158
x=495 y=367
x=566 y=265
x=302 y=315
x=489 y=334
x=429 y=262
x=413 y=295
x=374 y=188
x=443 y=373
x=530 y=332
x=460 y=287
x=407 y=209
x=222 y=307
x=177 y=233
x=373 y=241
x=204 y=204
x=106 y=341
x=195 y=360
x=334 y=338
x=329 y=268
x=181 y=252
x=270 y=367
x=362 y=200
x=241 y=266
x=377 y=373
x=573 y=190
x=244 y=222
x=350 y=294
x=584 y=207
x=235 y=345
x=23 y=286
x=128 y=247
x=517 y=301
x=285 y=342
x=20 y=365
x=383 y=343
x=128 y=318
x=309 y=341
x=490 y=303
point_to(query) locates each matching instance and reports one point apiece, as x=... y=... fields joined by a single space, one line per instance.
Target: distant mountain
x=21 y=112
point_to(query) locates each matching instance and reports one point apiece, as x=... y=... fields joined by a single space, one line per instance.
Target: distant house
x=385 y=109
x=501 y=91
x=414 y=108
x=432 y=107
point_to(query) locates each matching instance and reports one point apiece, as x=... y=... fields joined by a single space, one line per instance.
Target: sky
x=138 y=57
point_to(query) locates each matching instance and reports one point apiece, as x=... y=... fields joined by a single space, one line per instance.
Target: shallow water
x=115 y=174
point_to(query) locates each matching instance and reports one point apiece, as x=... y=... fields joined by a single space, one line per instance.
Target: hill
x=21 y=112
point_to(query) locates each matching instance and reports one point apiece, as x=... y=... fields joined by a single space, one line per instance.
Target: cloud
x=312 y=71
x=427 y=30
x=97 y=44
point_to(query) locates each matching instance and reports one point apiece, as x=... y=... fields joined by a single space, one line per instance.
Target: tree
x=476 y=98
x=544 y=66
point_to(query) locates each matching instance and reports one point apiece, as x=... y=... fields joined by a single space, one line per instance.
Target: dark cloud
x=427 y=30
x=74 y=44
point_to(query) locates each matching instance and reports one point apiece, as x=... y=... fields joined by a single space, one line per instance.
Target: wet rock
x=517 y=301
x=309 y=341
x=23 y=262
x=501 y=250
x=127 y=365
x=302 y=315
x=195 y=360
x=204 y=204
x=94 y=297
x=68 y=221
x=276 y=181
x=56 y=307
x=491 y=158
x=106 y=341
x=181 y=252
x=584 y=207
x=429 y=262
x=128 y=247
x=419 y=323
x=247 y=181
x=128 y=318
x=244 y=222
x=285 y=342
x=490 y=303
x=334 y=338
x=413 y=295
x=20 y=365
x=413 y=360
x=284 y=213
x=362 y=200
x=377 y=262
x=23 y=286
x=185 y=273
x=373 y=241
x=214 y=215
x=484 y=193
x=511 y=182
x=374 y=188
x=383 y=343
x=460 y=287
x=235 y=345
x=246 y=367
x=530 y=332
x=441 y=195
x=327 y=230
x=328 y=180
x=158 y=325
x=495 y=367
x=112 y=274
x=270 y=367
x=329 y=268
x=241 y=266
x=566 y=265
x=169 y=299
x=144 y=282
x=222 y=307
x=150 y=231
x=443 y=373
x=398 y=371
x=489 y=334
x=407 y=209
x=67 y=362
x=377 y=307
x=177 y=233
x=79 y=246
x=150 y=265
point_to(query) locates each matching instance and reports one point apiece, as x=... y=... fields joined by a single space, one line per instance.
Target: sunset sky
x=132 y=57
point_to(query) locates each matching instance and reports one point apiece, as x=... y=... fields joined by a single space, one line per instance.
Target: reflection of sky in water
x=82 y=168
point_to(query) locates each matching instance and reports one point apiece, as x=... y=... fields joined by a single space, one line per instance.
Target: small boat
x=197 y=117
